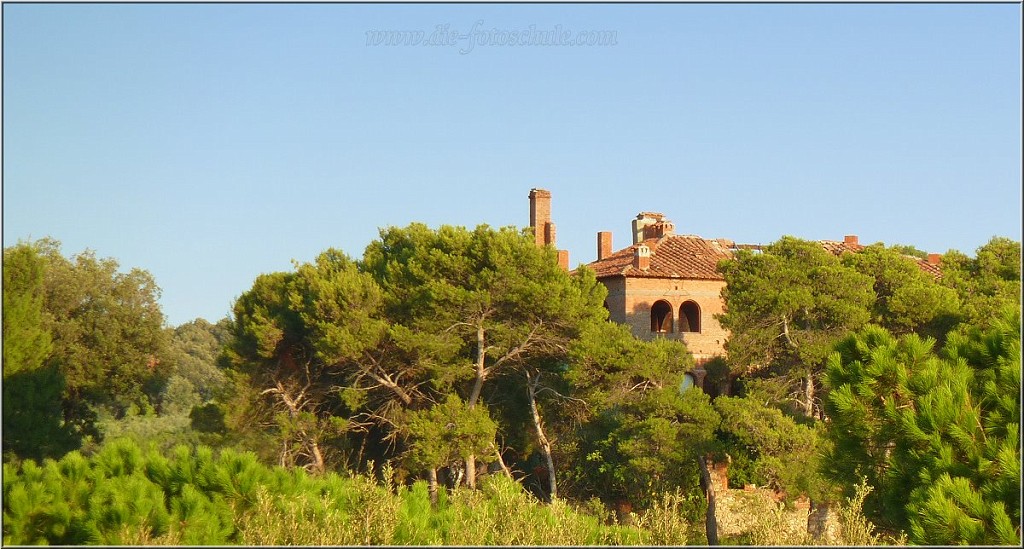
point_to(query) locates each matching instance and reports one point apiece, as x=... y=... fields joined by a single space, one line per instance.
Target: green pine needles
x=934 y=431
x=127 y=495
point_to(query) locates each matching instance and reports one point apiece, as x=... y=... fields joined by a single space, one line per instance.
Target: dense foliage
x=907 y=299
x=631 y=415
x=127 y=495
x=921 y=389
x=787 y=306
x=32 y=420
x=935 y=432
x=28 y=341
x=985 y=283
x=87 y=340
x=782 y=453
x=456 y=386
x=357 y=361
x=107 y=331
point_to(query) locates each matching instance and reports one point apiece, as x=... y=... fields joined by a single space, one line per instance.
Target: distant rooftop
x=696 y=258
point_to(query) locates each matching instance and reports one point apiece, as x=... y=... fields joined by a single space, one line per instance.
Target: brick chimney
x=934 y=259
x=540 y=222
x=604 y=244
x=540 y=217
x=563 y=259
x=642 y=257
x=851 y=240
x=659 y=229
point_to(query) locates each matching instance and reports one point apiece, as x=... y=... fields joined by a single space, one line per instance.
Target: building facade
x=666 y=284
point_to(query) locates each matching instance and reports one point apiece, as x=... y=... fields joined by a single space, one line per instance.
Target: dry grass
x=754 y=518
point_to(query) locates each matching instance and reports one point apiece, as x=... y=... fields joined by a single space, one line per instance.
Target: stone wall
x=760 y=514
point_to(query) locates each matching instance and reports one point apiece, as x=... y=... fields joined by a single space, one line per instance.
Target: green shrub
x=128 y=495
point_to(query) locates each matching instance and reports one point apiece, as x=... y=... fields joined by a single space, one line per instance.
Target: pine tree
x=935 y=433
x=787 y=306
x=907 y=299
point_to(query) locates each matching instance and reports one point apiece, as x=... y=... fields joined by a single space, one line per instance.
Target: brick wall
x=616 y=299
x=631 y=300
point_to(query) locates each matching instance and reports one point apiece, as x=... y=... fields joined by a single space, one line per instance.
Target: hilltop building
x=666 y=284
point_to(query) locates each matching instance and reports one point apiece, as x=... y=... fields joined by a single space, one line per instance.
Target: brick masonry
x=630 y=301
x=663 y=266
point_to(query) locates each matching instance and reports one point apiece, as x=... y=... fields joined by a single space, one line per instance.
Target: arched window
x=661 y=317
x=689 y=317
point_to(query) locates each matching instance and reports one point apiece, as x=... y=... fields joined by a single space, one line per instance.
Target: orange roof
x=928 y=267
x=835 y=247
x=838 y=248
x=693 y=257
x=672 y=256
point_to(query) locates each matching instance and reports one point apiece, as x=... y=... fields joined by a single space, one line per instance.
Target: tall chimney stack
x=934 y=259
x=851 y=240
x=604 y=244
x=540 y=217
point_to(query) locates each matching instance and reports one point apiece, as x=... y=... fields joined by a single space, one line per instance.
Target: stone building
x=666 y=284
x=662 y=285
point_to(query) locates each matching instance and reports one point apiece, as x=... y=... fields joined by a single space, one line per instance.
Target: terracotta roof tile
x=693 y=257
x=926 y=266
x=838 y=248
x=672 y=256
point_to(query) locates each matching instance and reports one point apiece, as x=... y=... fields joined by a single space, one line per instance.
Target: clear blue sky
x=211 y=143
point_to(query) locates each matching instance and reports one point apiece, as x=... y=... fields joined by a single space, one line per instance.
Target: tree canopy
x=86 y=336
x=27 y=341
x=985 y=283
x=934 y=431
x=425 y=316
x=907 y=299
x=787 y=306
x=445 y=350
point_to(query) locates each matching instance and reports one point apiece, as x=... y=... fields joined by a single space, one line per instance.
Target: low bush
x=128 y=495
